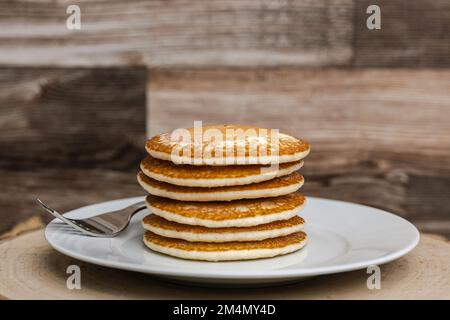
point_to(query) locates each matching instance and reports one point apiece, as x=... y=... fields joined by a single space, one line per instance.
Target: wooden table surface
x=31 y=269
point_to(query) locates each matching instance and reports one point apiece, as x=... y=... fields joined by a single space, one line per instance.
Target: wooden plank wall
x=188 y=33
x=374 y=103
x=233 y=33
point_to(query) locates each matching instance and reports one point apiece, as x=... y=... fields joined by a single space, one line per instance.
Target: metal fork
x=104 y=225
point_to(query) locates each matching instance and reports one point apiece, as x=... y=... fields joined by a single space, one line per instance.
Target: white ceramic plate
x=342 y=237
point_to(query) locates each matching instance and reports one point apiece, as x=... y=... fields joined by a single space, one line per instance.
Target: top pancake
x=227 y=145
x=213 y=176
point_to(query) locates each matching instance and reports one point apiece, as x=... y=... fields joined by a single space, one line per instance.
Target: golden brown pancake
x=213 y=176
x=237 y=213
x=272 y=188
x=227 y=145
x=226 y=250
x=186 y=232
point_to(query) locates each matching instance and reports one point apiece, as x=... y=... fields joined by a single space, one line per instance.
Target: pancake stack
x=243 y=210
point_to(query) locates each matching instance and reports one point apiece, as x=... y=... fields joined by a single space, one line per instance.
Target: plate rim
x=253 y=275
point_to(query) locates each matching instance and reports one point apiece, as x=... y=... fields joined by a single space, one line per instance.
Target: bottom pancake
x=225 y=251
x=171 y=229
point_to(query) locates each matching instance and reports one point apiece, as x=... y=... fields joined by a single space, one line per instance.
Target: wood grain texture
x=80 y=118
x=30 y=224
x=31 y=269
x=238 y=33
x=161 y=33
x=70 y=136
x=379 y=137
x=413 y=34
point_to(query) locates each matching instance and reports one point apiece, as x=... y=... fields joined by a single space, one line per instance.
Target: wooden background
x=75 y=105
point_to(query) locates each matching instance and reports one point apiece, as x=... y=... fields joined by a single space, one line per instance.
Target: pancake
x=237 y=213
x=245 y=145
x=186 y=232
x=272 y=188
x=213 y=176
x=225 y=251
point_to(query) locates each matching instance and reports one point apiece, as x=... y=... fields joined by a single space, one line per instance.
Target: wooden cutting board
x=31 y=269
